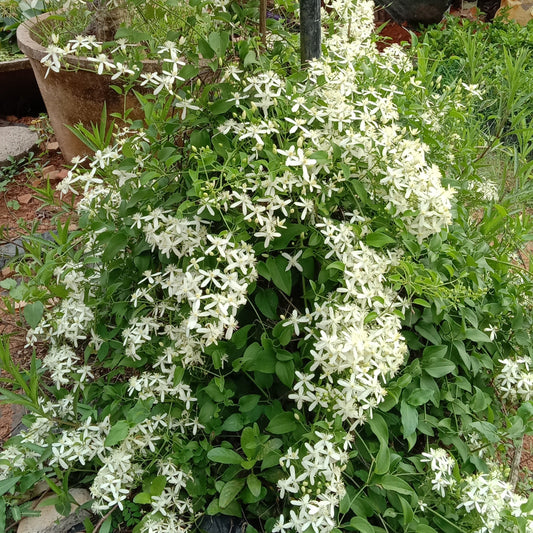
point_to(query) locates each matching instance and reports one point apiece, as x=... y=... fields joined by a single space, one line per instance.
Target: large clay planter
x=19 y=90
x=75 y=95
x=415 y=12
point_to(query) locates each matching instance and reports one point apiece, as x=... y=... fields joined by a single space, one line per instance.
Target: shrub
x=276 y=307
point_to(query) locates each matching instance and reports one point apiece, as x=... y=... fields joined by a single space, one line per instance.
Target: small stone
x=52 y=176
x=25 y=198
x=52 y=146
x=48 y=169
x=6 y=272
x=50 y=521
x=62 y=174
x=16 y=141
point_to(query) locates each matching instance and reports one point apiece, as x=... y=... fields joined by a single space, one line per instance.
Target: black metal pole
x=310 y=30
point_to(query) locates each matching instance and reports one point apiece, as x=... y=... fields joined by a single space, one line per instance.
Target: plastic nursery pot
x=20 y=93
x=415 y=12
x=73 y=96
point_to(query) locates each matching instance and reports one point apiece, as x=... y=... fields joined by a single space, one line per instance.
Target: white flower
x=293 y=261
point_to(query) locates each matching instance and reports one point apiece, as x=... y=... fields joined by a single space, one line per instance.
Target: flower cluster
x=491 y=499
x=515 y=380
x=314 y=485
x=441 y=464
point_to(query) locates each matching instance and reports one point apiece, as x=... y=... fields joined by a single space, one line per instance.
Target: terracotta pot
x=73 y=96
x=20 y=93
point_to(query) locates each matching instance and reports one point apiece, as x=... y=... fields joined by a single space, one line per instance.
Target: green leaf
x=267 y=302
x=361 y=524
x=336 y=265
x=249 y=442
x=113 y=245
x=132 y=35
x=528 y=506
x=257 y=358
x=435 y=351
x=234 y=422
x=379 y=428
x=157 y=485
x=219 y=41
x=395 y=484
x=438 y=367
x=487 y=430
x=378 y=239
x=230 y=491
x=7 y=484
x=476 y=335
x=254 y=485
x=224 y=456
x=33 y=313
x=205 y=49
x=200 y=138
x=106 y=526
x=8 y=283
x=285 y=372
x=142 y=498
x=250 y=58
x=117 y=433
x=424 y=528
x=281 y=278
x=407 y=512
x=419 y=397
x=221 y=106
x=282 y=423
x=429 y=332
x=409 y=418
x=248 y=403
x=382 y=460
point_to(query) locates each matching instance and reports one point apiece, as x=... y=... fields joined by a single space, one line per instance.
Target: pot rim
x=20 y=63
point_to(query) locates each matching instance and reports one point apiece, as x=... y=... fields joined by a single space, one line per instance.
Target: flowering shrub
x=269 y=311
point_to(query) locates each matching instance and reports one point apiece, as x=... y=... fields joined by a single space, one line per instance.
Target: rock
x=25 y=198
x=16 y=141
x=6 y=272
x=10 y=250
x=52 y=176
x=47 y=170
x=53 y=147
x=222 y=524
x=50 y=521
x=17 y=412
x=520 y=11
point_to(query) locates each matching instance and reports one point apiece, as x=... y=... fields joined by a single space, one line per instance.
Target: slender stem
x=103 y=519
x=446 y=520
x=262 y=21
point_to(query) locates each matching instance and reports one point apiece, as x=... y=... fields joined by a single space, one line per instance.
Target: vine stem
x=515 y=466
x=262 y=21
x=104 y=518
